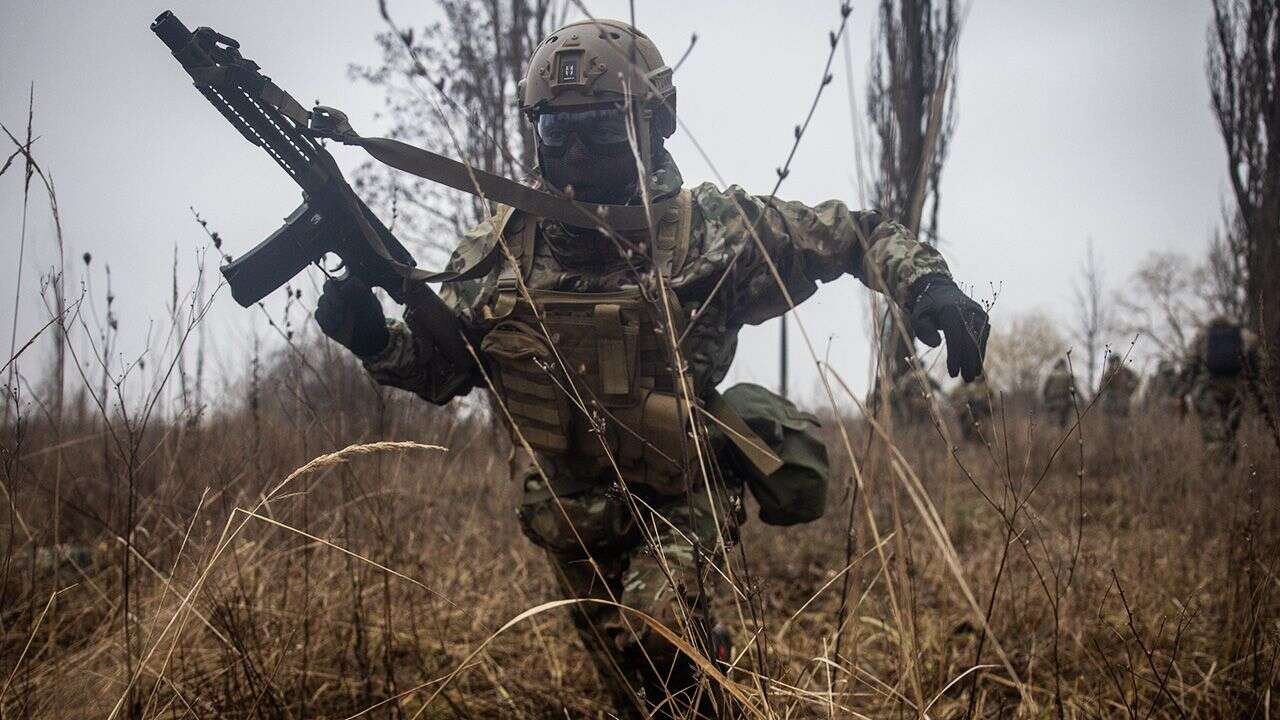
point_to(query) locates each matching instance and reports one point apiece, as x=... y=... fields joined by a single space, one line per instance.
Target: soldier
x=972 y=403
x=1059 y=394
x=907 y=396
x=1118 y=386
x=1219 y=366
x=1165 y=391
x=600 y=345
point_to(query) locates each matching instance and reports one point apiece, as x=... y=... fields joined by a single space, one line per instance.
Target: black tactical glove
x=937 y=304
x=349 y=314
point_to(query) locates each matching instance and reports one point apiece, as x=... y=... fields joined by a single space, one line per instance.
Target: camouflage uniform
x=972 y=403
x=1119 y=383
x=593 y=536
x=1059 y=394
x=1219 y=399
x=910 y=395
x=1165 y=392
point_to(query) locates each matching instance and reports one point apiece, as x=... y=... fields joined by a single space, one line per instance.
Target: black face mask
x=587 y=153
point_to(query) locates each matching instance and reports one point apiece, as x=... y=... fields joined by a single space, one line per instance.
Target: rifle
x=331 y=218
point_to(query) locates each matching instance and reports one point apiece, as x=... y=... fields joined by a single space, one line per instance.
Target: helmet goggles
x=596 y=127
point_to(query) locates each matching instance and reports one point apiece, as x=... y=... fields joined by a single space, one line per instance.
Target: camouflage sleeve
x=1251 y=343
x=410 y=364
x=1193 y=361
x=809 y=245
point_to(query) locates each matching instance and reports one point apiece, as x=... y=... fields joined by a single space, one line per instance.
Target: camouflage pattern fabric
x=1219 y=406
x=808 y=245
x=908 y=397
x=972 y=404
x=1219 y=401
x=653 y=554
x=1165 y=392
x=723 y=284
x=1119 y=384
x=1059 y=393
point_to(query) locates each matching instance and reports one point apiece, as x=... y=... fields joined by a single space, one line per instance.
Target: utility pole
x=782 y=358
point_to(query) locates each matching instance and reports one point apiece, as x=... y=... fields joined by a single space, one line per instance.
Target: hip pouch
x=792 y=488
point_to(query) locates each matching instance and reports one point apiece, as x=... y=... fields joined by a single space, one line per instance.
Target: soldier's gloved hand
x=938 y=305
x=349 y=313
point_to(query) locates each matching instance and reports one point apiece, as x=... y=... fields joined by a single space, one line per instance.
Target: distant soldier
x=1165 y=392
x=1119 y=383
x=1219 y=363
x=972 y=404
x=909 y=397
x=1059 y=394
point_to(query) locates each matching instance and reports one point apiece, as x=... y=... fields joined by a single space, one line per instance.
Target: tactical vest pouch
x=1224 y=354
x=796 y=490
x=523 y=366
x=596 y=335
x=652 y=434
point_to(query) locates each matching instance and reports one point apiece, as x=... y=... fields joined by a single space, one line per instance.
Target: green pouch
x=796 y=492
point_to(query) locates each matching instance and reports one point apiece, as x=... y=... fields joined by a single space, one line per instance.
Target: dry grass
x=370 y=582
x=297 y=550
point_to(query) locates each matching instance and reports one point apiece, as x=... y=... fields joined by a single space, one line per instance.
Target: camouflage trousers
x=1219 y=405
x=975 y=423
x=655 y=554
x=1061 y=415
x=1115 y=405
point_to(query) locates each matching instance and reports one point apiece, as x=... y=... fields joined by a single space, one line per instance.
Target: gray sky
x=1076 y=121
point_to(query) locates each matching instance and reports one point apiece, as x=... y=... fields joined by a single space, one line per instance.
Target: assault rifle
x=331 y=218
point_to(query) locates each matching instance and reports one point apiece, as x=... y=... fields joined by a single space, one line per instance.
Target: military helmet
x=591 y=62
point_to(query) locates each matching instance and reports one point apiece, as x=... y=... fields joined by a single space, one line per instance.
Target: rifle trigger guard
x=330 y=122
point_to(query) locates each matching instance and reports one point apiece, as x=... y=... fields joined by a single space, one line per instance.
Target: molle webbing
x=590 y=376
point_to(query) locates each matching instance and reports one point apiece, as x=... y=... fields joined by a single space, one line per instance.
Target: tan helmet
x=597 y=61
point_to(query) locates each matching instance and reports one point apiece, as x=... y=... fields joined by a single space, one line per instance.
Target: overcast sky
x=1076 y=120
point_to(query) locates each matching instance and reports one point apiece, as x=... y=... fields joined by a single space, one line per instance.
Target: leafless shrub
x=1020 y=350
x=1094 y=317
x=454 y=80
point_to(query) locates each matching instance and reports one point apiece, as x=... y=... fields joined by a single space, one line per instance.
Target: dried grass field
x=304 y=544
x=245 y=565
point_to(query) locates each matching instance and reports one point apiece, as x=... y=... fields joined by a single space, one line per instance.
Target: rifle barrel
x=170 y=29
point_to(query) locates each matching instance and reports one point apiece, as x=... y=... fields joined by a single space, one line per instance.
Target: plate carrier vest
x=591 y=377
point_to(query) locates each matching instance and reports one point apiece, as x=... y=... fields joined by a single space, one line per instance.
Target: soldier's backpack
x=796 y=490
x=1224 y=350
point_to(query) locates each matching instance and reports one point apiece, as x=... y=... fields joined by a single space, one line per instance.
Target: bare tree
x=911 y=108
x=1167 y=299
x=452 y=86
x=1019 y=351
x=1225 y=269
x=1244 y=82
x=1093 y=310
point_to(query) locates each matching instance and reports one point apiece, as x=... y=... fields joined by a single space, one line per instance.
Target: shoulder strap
x=674 y=234
x=520 y=231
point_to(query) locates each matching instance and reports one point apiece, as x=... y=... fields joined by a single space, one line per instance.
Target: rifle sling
x=538 y=203
x=437 y=168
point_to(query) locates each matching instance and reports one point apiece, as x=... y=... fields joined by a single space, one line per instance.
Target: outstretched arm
x=812 y=245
